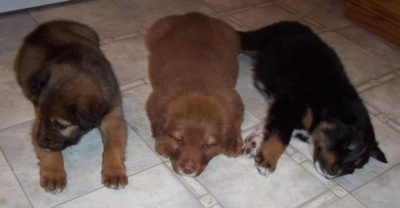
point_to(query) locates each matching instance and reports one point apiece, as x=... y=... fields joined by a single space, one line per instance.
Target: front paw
x=53 y=181
x=263 y=164
x=252 y=143
x=114 y=178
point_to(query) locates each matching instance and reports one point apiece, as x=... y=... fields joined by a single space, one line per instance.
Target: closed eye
x=60 y=126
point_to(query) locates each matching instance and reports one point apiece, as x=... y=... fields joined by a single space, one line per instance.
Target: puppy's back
x=192 y=47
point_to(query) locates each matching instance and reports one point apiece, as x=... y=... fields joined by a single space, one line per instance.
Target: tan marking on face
x=308 y=119
x=352 y=146
x=321 y=140
x=67 y=132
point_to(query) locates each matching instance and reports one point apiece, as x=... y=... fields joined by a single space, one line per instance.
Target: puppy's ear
x=89 y=110
x=158 y=126
x=158 y=30
x=232 y=141
x=38 y=80
x=377 y=153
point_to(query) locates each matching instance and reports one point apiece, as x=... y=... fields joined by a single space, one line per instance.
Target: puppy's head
x=195 y=128
x=344 y=140
x=67 y=108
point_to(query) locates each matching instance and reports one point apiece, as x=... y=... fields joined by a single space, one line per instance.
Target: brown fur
x=194 y=111
x=63 y=72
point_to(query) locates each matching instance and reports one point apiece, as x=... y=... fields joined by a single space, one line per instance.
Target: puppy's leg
x=52 y=173
x=283 y=117
x=113 y=130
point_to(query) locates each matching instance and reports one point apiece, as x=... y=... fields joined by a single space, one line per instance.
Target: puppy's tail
x=257 y=40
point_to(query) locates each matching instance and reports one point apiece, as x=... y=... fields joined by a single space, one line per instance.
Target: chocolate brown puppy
x=65 y=75
x=194 y=110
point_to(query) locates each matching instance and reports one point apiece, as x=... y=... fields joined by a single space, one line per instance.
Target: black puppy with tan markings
x=63 y=72
x=308 y=88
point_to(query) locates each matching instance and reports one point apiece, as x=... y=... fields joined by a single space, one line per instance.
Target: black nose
x=334 y=170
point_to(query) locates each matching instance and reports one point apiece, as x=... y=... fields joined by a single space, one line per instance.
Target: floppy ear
x=38 y=80
x=232 y=141
x=158 y=126
x=158 y=30
x=377 y=153
x=89 y=110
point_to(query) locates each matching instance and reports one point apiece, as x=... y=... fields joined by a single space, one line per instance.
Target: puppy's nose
x=188 y=166
x=334 y=170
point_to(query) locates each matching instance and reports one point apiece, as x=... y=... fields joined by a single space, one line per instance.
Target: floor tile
x=328 y=13
x=382 y=191
x=359 y=64
x=385 y=98
x=128 y=58
x=154 y=187
x=11 y=194
x=232 y=181
x=372 y=43
x=224 y=5
x=14 y=28
x=347 y=202
x=14 y=107
x=82 y=163
x=134 y=102
x=102 y=15
x=263 y=16
x=147 y=12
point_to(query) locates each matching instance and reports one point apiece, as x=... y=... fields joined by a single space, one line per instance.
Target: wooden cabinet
x=381 y=17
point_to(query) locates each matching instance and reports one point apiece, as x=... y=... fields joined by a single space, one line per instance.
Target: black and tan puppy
x=63 y=72
x=309 y=89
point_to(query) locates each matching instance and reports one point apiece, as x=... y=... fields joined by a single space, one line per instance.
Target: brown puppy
x=194 y=111
x=62 y=71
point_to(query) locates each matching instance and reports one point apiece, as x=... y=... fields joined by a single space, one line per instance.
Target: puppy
x=62 y=71
x=194 y=111
x=308 y=89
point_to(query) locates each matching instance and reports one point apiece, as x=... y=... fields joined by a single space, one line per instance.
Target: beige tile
x=359 y=64
x=381 y=192
x=385 y=98
x=232 y=181
x=154 y=187
x=147 y=12
x=13 y=29
x=15 y=108
x=225 y=5
x=11 y=193
x=82 y=163
x=347 y=202
x=372 y=43
x=102 y=15
x=128 y=58
x=328 y=13
x=262 y=16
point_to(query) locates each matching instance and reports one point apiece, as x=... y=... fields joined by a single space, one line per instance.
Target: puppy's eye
x=179 y=141
x=206 y=146
x=60 y=126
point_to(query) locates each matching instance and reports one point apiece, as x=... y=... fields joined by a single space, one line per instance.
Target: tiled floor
x=372 y=64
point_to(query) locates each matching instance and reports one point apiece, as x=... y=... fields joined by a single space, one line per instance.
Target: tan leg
x=268 y=154
x=52 y=173
x=114 y=133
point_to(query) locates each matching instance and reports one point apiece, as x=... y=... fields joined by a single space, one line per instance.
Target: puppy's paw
x=263 y=164
x=252 y=143
x=114 y=178
x=53 y=181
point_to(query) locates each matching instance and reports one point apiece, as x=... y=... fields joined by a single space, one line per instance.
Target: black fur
x=299 y=71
